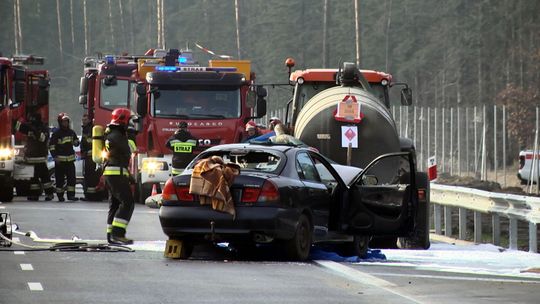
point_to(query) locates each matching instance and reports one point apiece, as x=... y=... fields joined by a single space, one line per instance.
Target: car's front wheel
x=299 y=246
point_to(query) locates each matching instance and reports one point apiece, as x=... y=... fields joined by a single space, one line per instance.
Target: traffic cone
x=154 y=190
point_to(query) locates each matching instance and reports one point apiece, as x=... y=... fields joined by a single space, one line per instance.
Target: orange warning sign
x=348 y=110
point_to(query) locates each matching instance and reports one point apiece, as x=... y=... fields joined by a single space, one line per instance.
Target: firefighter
x=36 y=152
x=117 y=177
x=61 y=146
x=91 y=173
x=182 y=143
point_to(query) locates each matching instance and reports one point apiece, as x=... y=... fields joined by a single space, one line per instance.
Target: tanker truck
x=349 y=110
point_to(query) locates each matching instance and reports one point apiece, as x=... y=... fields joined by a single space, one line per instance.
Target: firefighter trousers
x=41 y=179
x=121 y=204
x=91 y=179
x=65 y=170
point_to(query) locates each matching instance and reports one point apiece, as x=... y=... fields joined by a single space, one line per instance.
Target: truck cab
x=6 y=138
x=165 y=88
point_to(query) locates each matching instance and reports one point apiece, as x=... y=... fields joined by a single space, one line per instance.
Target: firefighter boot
x=118 y=237
x=60 y=197
x=49 y=197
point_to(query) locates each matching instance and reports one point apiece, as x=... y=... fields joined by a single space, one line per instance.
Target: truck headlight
x=152 y=165
x=6 y=153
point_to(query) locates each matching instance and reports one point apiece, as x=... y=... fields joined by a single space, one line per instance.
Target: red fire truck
x=6 y=134
x=165 y=88
x=31 y=95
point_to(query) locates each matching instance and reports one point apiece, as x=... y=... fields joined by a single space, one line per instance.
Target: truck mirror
x=406 y=96
x=141 y=105
x=109 y=80
x=43 y=95
x=261 y=108
x=83 y=86
x=18 y=75
x=82 y=99
x=251 y=99
x=140 y=89
x=262 y=92
x=20 y=94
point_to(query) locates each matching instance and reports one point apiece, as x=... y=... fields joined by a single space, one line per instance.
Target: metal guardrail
x=514 y=207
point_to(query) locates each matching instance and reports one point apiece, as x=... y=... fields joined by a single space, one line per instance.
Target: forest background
x=458 y=53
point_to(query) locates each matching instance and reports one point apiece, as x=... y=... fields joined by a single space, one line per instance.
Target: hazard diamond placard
x=349 y=135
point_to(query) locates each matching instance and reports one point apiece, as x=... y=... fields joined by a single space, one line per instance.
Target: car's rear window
x=247 y=159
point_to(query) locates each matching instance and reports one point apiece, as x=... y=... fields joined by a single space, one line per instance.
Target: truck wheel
x=299 y=246
x=420 y=237
x=6 y=190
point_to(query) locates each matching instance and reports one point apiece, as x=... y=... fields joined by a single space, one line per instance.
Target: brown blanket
x=211 y=180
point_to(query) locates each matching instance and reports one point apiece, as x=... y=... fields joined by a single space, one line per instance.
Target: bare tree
x=236 y=9
x=388 y=22
x=17 y=26
x=71 y=20
x=85 y=29
x=59 y=23
x=325 y=21
x=357 y=32
x=158 y=25
x=122 y=26
x=113 y=44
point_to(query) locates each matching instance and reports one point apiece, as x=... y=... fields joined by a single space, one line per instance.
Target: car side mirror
x=406 y=96
x=370 y=180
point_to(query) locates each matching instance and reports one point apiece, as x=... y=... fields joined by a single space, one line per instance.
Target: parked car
x=23 y=172
x=525 y=166
x=292 y=196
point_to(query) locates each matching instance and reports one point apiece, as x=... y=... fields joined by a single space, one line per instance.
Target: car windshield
x=247 y=159
x=196 y=104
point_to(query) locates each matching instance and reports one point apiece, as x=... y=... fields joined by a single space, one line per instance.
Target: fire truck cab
x=165 y=88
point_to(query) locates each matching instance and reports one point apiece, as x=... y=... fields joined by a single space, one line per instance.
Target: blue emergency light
x=182 y=60
x=166 y=68
x=109 y=59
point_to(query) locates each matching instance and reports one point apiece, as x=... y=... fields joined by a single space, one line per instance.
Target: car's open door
x=382 y=203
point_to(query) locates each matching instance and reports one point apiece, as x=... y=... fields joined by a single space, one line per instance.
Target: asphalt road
x=212 y=275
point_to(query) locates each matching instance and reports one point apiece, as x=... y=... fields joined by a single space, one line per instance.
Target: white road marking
x=459 y=278
x=364 y=278
x=27 y=267
x=35 y=286
x=18 y=252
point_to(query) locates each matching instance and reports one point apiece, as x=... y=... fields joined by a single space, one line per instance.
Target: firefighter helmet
x=60 y=117
x=251 y=125
x=121 y=116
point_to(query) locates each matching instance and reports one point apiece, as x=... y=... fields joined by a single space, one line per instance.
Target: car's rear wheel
x=299 y=246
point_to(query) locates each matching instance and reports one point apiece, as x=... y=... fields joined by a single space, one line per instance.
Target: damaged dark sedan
x=290 y=196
